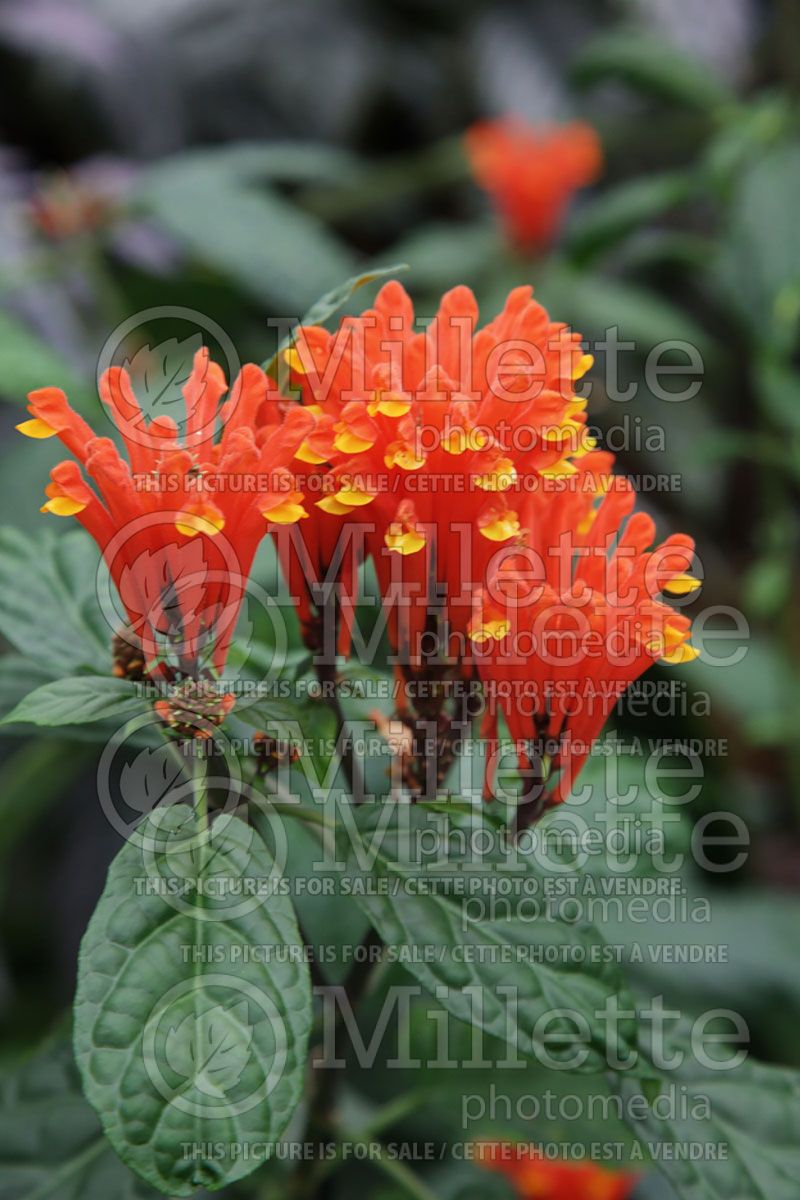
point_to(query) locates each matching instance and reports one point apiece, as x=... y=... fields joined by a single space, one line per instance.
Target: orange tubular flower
x=428 y=435
x=575 y=617
x=536 y=1178
x=531 y=173
x=179 y=518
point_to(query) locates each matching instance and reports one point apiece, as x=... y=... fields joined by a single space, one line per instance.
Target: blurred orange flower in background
x=532 y=172
x=537 y=1178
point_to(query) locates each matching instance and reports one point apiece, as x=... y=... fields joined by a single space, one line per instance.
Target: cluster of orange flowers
x=455 y=457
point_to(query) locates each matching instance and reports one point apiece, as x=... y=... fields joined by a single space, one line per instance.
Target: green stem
x=304 y=813
x=394 y=1111
x=201 y=800
x=411 y=1184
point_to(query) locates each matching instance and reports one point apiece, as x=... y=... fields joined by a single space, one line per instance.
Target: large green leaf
x=188 y=1031
x=51 y=1143
x=254 y=162
x=747 y=1117
x=77 y=700
x=650 y=65
x=48 y=602
x=439 y=889
x=266 y=245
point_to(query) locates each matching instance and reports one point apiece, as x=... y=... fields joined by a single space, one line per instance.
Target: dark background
x=242 y=158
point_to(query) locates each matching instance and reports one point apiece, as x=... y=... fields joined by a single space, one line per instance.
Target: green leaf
x=650 y=65
x=18 y=677
x=255 y=162
x=333 y=928
x=77 y=701
x=27 y=362
x=48 y=601
x=328 y=304
x=437 y=900
x=778 y=386
x=269 y=247
x=593 y=304
x=759 y=264
x=184 y=1034
x=750 y=1121
x=51 y=1143
x=445 y=254
x=334 y=299
x=602 y=222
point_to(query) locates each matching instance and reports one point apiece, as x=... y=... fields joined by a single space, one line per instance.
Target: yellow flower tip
x=680 y=655
x=294 y=361
x=36 y=428
x=498 y=480
x=588 y=521
x=559 y=470
x=388 y=405
x=288 y=512
x=404 y=457
x=584 y=364
x=330 y=504
x=503 y=527
x=455 y=443
x=403 y=540
x=350 y=443
x=354 y=497
x=490 y=631
x=205 y=519
x=682 y=585
x=307 y=455
x=62 y=506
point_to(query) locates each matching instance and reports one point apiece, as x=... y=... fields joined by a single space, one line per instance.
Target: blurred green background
x=240 y=159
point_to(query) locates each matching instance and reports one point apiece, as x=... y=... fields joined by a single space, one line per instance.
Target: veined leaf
x=750 y=1115
x=183 y=1037
x=77 y=700
x=476 y=946
x=51 y=1143
x=253 y=237
x=48 y=603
